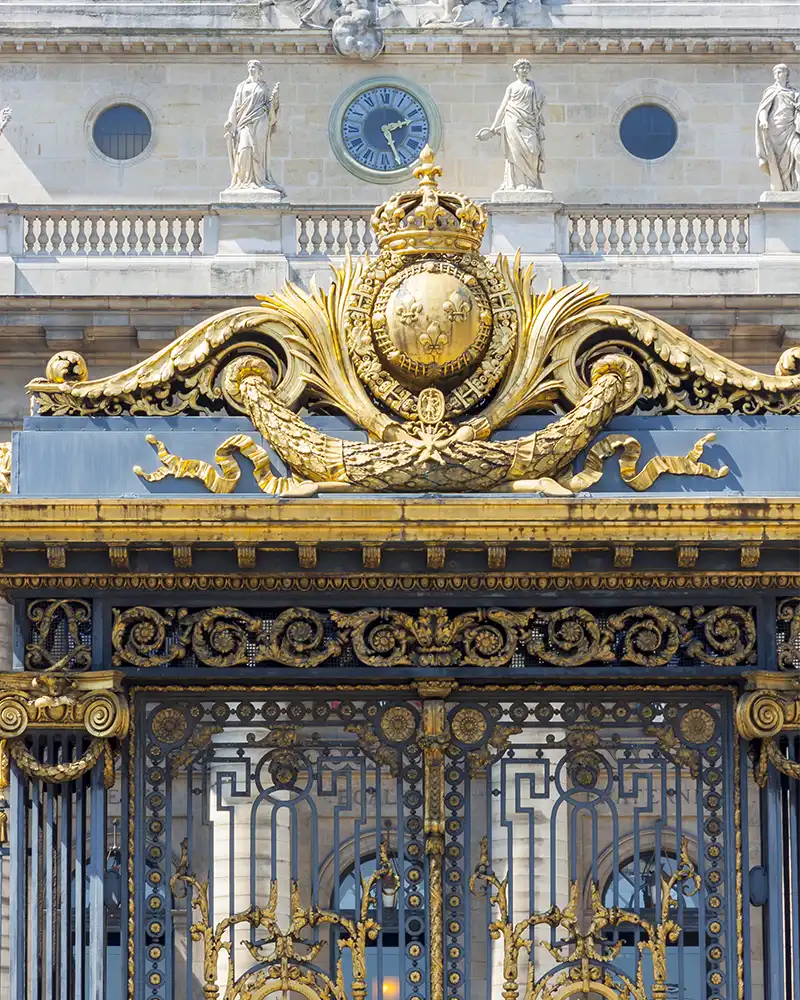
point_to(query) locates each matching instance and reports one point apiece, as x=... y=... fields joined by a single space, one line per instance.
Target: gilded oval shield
x=431 y=322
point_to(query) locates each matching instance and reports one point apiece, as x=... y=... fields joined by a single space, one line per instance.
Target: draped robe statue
x=251 y=121
x=778 y=133
x=520 y=121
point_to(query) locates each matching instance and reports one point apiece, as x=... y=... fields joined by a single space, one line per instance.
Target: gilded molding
x=333 y=583
x=646 y=636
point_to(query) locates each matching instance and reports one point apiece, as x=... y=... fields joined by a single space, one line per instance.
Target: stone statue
x=355 y=33
x=778 y=132
x=251 y=121
x=5 y=118
x=520 y=121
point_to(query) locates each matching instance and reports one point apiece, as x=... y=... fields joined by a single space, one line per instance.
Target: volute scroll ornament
x=769 y=710
x=91 y=703
x=431 y=349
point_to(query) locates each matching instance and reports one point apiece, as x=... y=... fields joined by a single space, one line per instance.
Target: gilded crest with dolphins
x=430 y=348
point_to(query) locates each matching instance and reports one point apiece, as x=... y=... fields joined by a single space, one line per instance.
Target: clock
x=379 y=128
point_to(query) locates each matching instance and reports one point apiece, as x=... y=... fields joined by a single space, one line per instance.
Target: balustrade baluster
x=716 y=236
x=94 y=236
x=574 y=235
x=157 y=239
x=355 y=236
x=638 y=235
x=728 y=237
x=197 y=237
x=626 y=234
x=169 y=235
x=613 y=233
x=135 y=236
x=302 y=236
x=742 y=234
x=44 y=234
x=80 y=235
x=704 y=235
x=342 y=238
x=329 y=235
x=317 y=222
x=691 y=233
x=588 y=234
x=68 y=239
x=107 y=234
x=29 y=237
x=666 y=235
x=652 y=234
x=677 y=233
x=183 y=237
x=119 y=236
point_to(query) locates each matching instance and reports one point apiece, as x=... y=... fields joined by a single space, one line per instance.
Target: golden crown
x=429 y=220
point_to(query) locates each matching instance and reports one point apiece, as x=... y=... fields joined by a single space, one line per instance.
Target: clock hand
x=393 y=126
x=387 y=134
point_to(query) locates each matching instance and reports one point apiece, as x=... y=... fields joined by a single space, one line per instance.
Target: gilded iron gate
x=435 y=843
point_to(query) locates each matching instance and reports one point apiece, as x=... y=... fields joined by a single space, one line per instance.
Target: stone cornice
x=226 y=42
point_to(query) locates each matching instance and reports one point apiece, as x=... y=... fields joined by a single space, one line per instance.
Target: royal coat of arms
x=430 y=348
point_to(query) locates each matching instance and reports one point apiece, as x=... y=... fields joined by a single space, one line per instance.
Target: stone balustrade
x=225 y=249
x=668 y=229
x=67 y=230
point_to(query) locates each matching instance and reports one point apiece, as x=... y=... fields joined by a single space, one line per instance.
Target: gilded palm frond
x=541 y=319
x=318 y=337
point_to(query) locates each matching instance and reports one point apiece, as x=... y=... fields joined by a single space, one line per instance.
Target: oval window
x=122 y=132
x=648 y=131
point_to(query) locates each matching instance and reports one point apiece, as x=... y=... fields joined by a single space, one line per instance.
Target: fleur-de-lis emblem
x=457 y=308
x=433 y=340
x=409 y=312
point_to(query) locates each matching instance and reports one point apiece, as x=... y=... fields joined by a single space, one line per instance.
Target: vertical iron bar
x=80 y=888
x=35 y=792
x=96 y=958
x=18 y=909
x=66 y=895
x=772 y=860
x=48 y=953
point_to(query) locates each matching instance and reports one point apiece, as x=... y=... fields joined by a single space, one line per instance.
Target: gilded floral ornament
x=431 y=349
x=768 y=711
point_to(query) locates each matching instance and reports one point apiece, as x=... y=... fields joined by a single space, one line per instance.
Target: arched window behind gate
x=636 y=886
x=383 y=954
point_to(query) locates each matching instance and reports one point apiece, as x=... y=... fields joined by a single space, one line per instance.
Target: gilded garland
x=430 y=349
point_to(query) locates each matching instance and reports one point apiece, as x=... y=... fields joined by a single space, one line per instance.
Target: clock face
x=385 y=128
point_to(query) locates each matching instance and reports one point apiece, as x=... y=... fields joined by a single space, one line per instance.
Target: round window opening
x=648 y=131
x=122 y=132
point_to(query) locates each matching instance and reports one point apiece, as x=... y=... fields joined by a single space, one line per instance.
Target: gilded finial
x=428 y=171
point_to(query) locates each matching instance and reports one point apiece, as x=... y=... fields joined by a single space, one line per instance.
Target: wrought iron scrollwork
x=788 y=622
x=280 y=966
x=584 y=956
x=60 y=635
x=647 y=636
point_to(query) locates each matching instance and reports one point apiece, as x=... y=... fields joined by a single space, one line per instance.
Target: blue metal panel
x=95 y=456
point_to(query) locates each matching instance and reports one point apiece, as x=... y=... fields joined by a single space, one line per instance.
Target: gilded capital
x=92 y=702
